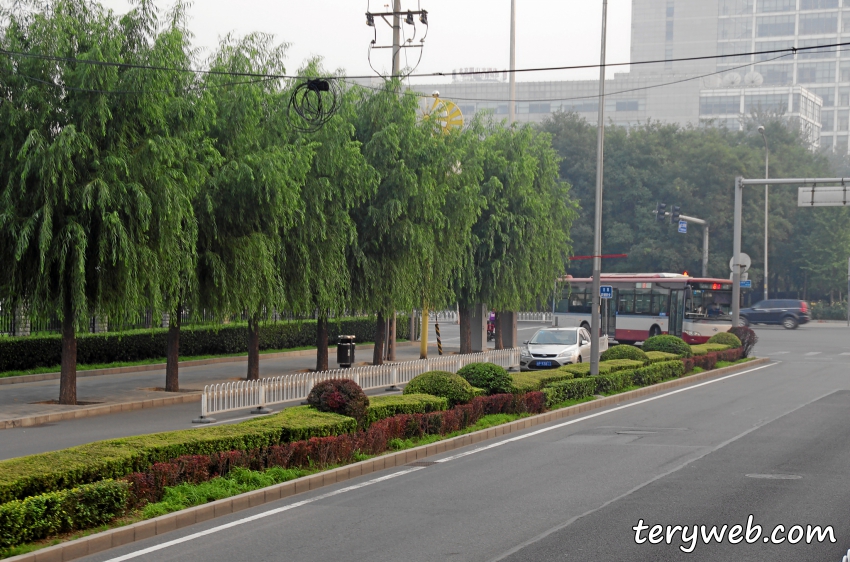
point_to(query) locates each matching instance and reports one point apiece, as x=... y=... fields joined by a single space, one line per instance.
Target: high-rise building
x=811 y=86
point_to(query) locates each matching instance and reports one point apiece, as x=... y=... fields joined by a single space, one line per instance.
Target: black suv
x=789 y=313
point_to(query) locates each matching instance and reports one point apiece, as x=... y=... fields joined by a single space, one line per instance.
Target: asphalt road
x=770 y=442
x=110 y=388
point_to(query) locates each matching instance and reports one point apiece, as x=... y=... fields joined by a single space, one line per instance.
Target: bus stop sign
x=683 y=227
x=606 y=292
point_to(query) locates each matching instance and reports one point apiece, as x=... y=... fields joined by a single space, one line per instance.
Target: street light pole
x=766 y=176
x=512 y=78
x=597 y=236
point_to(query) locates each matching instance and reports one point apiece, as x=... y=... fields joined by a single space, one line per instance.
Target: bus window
x=579 y=302
x=643 y=301
x=659 y=302
x=626 y=301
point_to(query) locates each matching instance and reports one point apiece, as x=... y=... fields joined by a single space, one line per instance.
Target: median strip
x=146 y=529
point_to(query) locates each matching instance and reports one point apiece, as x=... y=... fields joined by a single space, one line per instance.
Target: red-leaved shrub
x=340 y=396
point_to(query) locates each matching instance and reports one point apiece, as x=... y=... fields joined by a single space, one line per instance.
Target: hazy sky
x=463 y=33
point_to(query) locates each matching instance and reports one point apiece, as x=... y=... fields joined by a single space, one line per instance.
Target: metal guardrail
x=535 y=316
x=227 y=397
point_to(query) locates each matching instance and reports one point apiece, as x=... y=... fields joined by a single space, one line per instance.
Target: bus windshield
x=711 y=304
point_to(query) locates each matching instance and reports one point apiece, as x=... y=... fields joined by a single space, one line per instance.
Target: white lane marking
x=813 y=353
x=845 y=354
x=777 y=352
x=602 y=413
x=408 y=471
x=263 y=515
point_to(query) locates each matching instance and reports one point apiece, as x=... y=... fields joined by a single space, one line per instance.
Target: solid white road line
x=275 y=511
x=260 y=516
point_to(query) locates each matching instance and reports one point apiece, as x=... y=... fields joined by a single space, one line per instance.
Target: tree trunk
x=380 y=327
x=465 y=330
x=253 y=348
x=499 y=331
x=172 y=353
x=391 y=337
x=423 y=334
x=322 y=343
x=68 y=376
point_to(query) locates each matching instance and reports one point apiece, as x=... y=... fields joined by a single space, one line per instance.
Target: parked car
x=551 y=348
x=789 y=313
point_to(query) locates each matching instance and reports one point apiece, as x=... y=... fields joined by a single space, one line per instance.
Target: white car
x=551 y=348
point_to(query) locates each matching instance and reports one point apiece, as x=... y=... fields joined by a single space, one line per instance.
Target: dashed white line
x=809 y=354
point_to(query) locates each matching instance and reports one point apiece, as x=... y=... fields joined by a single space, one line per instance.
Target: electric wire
x=51 y=58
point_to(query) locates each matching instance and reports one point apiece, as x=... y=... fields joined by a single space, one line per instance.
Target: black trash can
x=345 y=351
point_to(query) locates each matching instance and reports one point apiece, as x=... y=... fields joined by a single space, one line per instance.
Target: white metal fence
x=535 y=316
x=226 y=397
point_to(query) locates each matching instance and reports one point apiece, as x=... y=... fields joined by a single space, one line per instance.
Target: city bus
x=650 y=304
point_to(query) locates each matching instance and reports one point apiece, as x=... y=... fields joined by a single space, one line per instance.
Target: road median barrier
x=120 y=536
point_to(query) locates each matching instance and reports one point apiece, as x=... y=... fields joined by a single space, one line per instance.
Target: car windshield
x=555 y=337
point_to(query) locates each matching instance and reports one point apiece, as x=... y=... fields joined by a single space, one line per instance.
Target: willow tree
x=521 y=240
x=396 y=240
x=313 y=265
x=250 y=200
x=88 y=163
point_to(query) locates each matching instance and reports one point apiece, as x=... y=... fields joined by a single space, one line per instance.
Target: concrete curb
x=178 y=520
x=160 y=366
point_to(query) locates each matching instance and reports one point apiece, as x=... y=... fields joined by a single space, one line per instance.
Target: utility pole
x=512 y=96
x=766 y=206
x=597 y=235
x=396 y=38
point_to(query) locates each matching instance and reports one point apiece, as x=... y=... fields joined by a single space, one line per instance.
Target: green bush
x=615 y=382
x=574 y=389
x=612 y=366
x=22 y=353
x=668 y=344
x=23 y=477
x=725 y=338
x=623 y=352
x=657 y=372
x=450 y=386
x=704 y=348
x=659 y=356
x=340 y=396
x=44 y=515
x=489 y=376
x=526 y=382
x=381 y=407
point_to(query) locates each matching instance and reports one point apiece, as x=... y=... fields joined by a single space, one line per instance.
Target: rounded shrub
x=340 y=396
x=623 y=352
x=668 y=344
x=450 y=386
x=492 y=378
x=748 y=338
x=725 y=338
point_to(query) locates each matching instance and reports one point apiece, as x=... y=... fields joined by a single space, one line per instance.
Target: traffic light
x=674 y=214
x=660 y=211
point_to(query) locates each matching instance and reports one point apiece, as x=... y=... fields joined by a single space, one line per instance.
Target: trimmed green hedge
x=726 y=339
x=493 y=378
x=574 y=389
x=668 y=344
x=704 y=348
x=623 y=352
x=657 y=372
x=22 y=353
x=524 y=382
x=45 y=515
x=381 y=407
x=659 y=356
x=58 y=470
x=615 y=382
x=583 y=369
x=451 y=386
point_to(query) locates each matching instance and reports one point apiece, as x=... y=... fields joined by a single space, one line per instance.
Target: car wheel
x=789 y=322
x=579 y=358
x=654 y=331
x=743 y=322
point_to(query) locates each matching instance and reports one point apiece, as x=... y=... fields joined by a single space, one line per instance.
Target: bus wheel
x=654 y=331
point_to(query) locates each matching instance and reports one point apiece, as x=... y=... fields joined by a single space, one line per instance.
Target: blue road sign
x=746 y=284
x=606 y=292
x=683 y=227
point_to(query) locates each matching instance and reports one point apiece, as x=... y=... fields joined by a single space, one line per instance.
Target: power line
x=789 y=50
